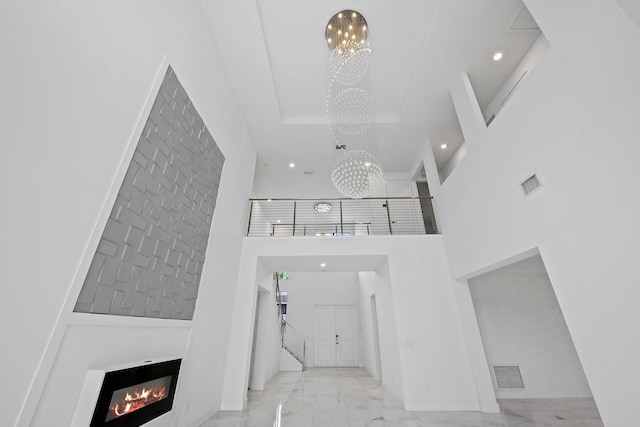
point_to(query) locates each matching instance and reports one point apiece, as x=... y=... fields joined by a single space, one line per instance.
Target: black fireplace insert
x=133 y=396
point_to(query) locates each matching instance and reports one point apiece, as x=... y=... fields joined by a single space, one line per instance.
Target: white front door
x=336 y=335
x=325 y=336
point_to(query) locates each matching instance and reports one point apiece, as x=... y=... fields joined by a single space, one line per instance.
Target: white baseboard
x=489 y=407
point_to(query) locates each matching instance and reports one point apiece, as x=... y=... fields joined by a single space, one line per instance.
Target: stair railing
x=374 y=216
x=293 y=341
x=290 y=338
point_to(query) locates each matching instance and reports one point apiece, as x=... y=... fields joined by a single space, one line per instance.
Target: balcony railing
x=347 y=217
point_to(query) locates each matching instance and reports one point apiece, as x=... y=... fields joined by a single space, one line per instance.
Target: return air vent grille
x=531 y=184
x=508 y=377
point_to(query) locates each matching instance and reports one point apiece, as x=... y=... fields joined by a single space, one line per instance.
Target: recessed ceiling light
x=323 y=265
x=292 y=165
x=268 y=200
x=443 y=146
x=497 y=56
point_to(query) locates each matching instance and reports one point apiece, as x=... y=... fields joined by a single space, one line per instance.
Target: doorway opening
x=426 y=206
x=529 y=350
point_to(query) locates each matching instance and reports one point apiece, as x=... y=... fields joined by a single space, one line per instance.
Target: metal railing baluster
x=294 y=218
x=388 y=215
x=250 y=212
x=341 y=223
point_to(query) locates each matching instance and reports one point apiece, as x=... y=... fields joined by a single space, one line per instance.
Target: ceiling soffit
x=276 y=58
x=298 y=54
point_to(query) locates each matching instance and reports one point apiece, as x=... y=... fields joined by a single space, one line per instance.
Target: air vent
x=530 y=184
x=508 y=377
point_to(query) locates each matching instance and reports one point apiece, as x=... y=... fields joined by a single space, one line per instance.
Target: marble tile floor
x=349 y=397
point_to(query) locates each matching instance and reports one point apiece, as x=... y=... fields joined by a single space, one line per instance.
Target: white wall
x=573 y=122
x=306 y=290
x=632 y=9
x=521 y=324
x=377 y=283
x=368 y=349
x=434 y=365
x=241 y=324
x=81 y=74
x=396 y=184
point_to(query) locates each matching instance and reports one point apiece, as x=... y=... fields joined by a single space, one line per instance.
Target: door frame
x=376 y=337
x=356 y=332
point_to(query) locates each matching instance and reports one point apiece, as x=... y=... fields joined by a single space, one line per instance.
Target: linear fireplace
x=133 y=396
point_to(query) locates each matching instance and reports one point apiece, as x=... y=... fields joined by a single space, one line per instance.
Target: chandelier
x=349 y=62
x=322 y=207
x=356 y=171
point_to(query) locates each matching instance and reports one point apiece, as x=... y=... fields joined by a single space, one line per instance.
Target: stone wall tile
x=149 y=260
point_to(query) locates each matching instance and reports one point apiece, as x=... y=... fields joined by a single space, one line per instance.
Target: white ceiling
x=276 y=58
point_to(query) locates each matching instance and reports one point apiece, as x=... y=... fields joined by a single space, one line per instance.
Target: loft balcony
x=375 y=216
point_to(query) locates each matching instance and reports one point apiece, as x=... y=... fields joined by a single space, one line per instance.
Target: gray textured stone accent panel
x=149 y=260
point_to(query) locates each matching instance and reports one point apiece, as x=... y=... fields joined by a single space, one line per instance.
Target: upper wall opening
x=496 y=77
x=449 y=147
x=526 y=340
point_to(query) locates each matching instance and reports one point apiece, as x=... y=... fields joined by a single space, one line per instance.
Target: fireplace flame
x=138 y=399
